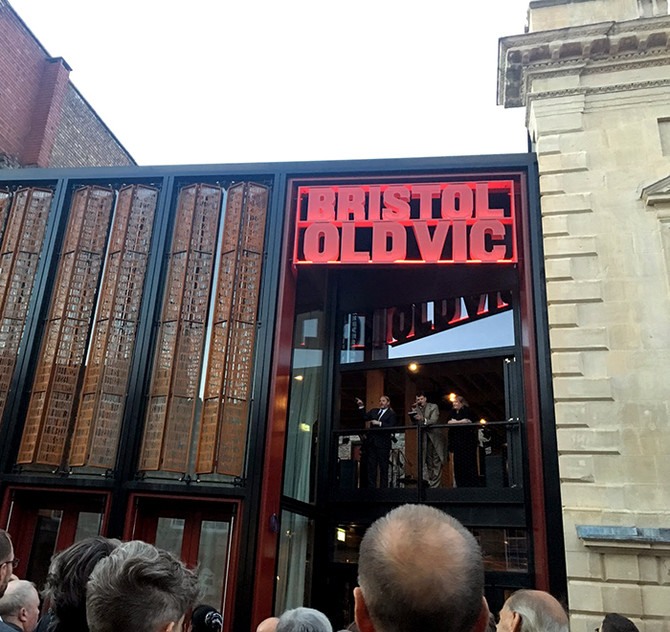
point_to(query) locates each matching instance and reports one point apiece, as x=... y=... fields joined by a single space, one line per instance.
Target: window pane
x=504 y=549
x=294 y=568
x=304 y=406
x=169 y=535
x=213 y=560
x=88 y=525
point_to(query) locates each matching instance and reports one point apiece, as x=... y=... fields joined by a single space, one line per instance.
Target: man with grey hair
x=303 y=620
x=420 y=570
x=139 y=587
x=19 y=607
x=532 y=611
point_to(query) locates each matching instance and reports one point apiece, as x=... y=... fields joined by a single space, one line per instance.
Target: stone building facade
x=44 y=120
x=594 y=77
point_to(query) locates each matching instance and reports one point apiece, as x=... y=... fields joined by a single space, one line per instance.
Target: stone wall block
x=649 y=566
x=558 y=270
x=621 y=567
x=588 y=440
x=583 y=495
x=585 y=596
x=578 y=339
x=574 y=291
x=566 y=203
x=566 y=363
x=562 y=163
x=573 y=246
x=582 y=388
x=577 y=468
x=623 y=599
x=555 y=225
x=583 y=565
x=549 y=144
x=563 y=314
x=656 y=600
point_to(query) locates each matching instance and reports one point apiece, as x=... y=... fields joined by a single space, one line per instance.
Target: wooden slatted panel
x=19 y=256
x=223 y=423
x=63 y=349
x=103 y=398
x=5 y=202
x=178 y=358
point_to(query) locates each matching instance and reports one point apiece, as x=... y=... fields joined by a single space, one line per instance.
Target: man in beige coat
x=433 y=442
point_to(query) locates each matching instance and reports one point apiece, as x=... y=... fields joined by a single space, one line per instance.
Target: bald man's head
x=532 y=611
x=419 y=569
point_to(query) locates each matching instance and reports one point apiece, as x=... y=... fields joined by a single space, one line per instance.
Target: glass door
x=200 y=533
x=43 y=522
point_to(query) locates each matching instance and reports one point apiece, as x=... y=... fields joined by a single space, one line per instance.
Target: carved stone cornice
x=581 y=50
x=657 y=194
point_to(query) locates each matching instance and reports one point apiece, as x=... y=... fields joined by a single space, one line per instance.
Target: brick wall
x=44 y=121
x=83 y=139
x=22 y=61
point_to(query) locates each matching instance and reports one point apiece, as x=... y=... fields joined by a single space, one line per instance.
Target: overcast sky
x=210 y=81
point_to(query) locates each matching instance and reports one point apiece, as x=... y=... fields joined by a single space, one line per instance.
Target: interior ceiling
x=480 y=381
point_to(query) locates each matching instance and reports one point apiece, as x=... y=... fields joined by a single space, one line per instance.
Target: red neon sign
x=435 y=222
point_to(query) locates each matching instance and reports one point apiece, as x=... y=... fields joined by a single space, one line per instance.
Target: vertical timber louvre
x=22 y=231
x=178 y=358
x=63 y=351
x=228 y=381
x=105 y=382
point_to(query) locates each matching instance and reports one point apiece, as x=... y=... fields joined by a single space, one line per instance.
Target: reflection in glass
x=304 y=406
x=88 y=525
x=294 y=566
x=346 y=543
x=504 y=549
x=423 y=329
x=44 y=544
x=169 y=535
x=213 y=560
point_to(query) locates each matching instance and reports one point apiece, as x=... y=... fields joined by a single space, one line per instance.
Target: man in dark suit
x=377 y=445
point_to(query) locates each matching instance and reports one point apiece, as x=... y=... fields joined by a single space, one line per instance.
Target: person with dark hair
x=420 y=570
x=206 y=619
x=376 y=447
x=139 y=587
x=614 y=622
x=303 y=620
x=463 y=444
x=19 y=607
x=65 y=587
x=7 y=561
x=532 y=611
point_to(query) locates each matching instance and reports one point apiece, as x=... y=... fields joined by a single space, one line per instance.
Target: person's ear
x=361 y=614
x=168 y=627
x=483 y=618
x=23 y=614
x=516 y=622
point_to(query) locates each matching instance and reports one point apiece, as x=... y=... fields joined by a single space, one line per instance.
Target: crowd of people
x=419 y=570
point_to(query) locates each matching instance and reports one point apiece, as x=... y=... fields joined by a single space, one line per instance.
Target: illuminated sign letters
x=434 y=222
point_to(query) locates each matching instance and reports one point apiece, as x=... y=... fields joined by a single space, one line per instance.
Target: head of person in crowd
x=303 y=620
x=20 y=605
x=420 y=570
x=268 y=625
x=614 y=622
x=532 y=611
x=65 y=587
x=6 y=560
x=206 y=619
x=139 y=587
